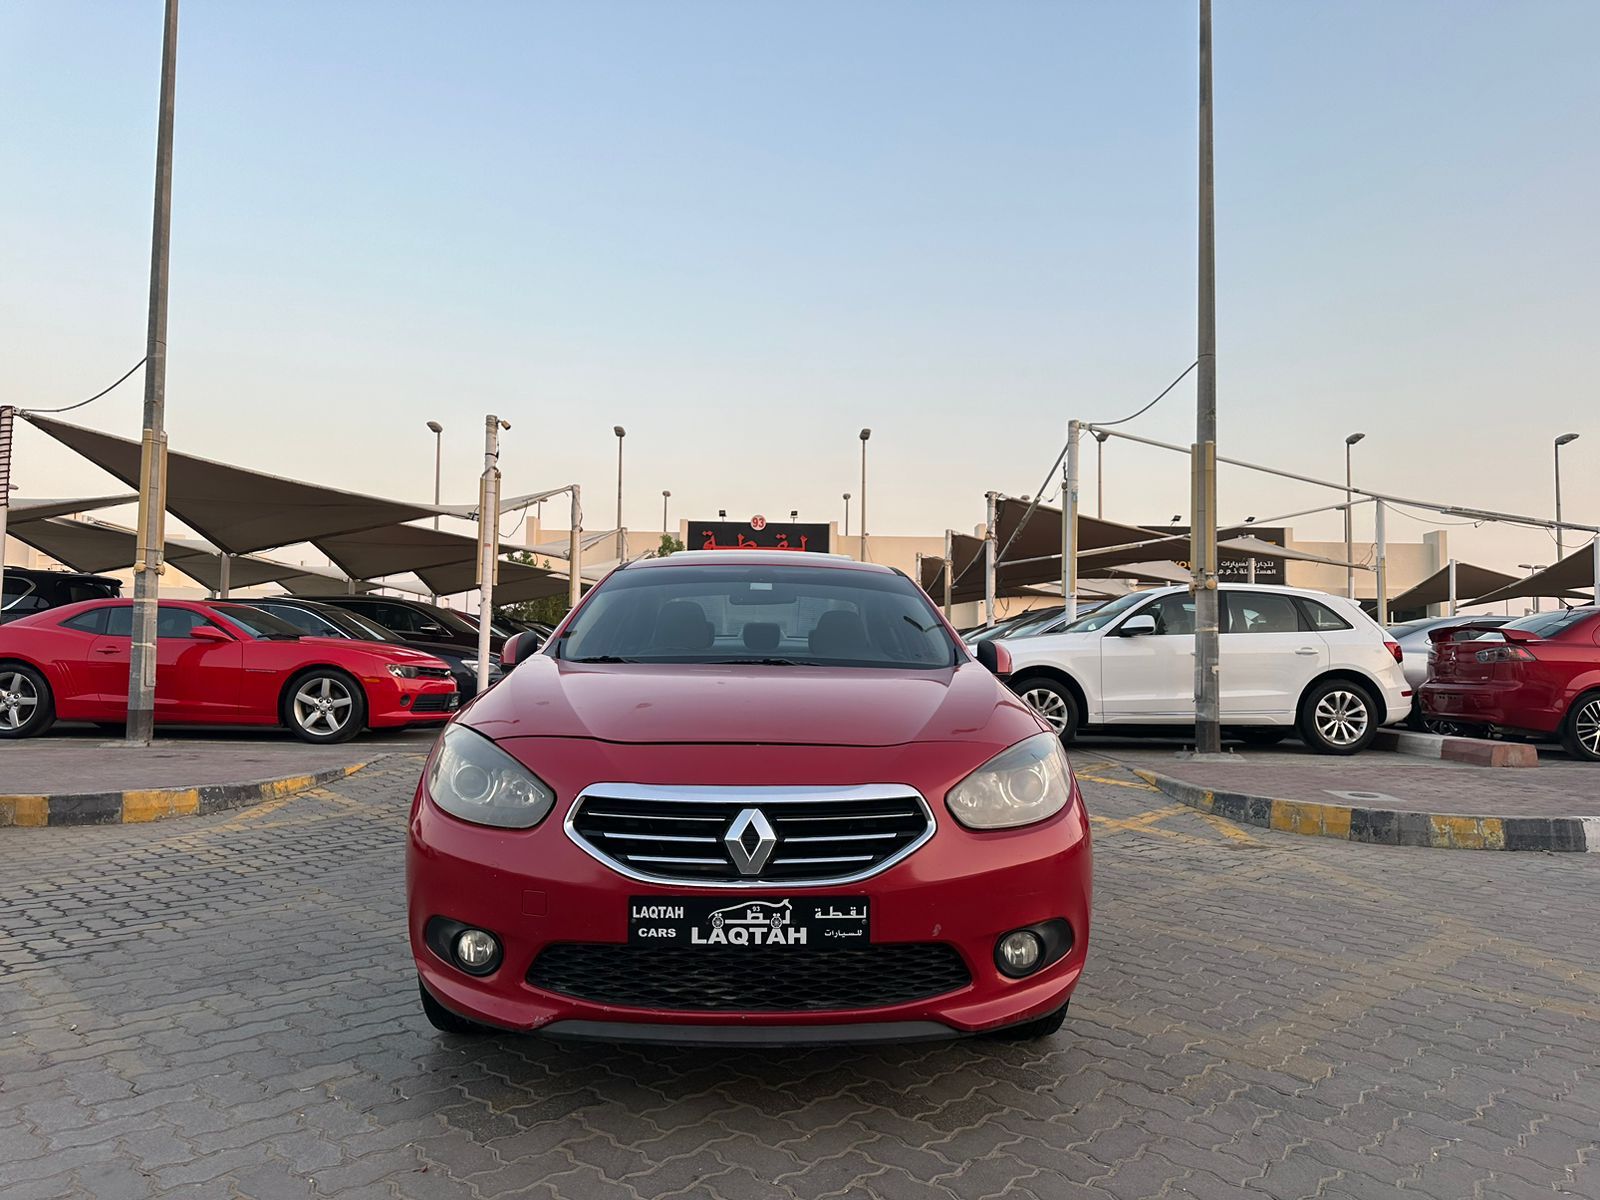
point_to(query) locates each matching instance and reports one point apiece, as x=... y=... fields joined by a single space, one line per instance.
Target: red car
x=216 y=664
x=1539 y=675
x=749 y=796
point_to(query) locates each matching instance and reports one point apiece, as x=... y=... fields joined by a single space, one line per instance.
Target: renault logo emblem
x=750 y=841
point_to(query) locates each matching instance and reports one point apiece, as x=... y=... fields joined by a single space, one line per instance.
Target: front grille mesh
x=729 y=979
x=819 y=840
x=432 y=702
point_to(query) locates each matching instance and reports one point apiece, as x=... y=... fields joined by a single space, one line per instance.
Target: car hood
x=701 y=703
x=379 y=650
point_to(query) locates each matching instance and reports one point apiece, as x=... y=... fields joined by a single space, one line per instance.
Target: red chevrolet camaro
x=216 y=664
x=750 y=797
x=1538 y=675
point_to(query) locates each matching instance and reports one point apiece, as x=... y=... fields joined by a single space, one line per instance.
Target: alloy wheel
x=19 y=700
x=1341 y=718
x=1586 y=725
x=1048 y=705
x=322 y=705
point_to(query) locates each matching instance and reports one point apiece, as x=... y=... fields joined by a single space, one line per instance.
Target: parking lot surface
x=225 y=1006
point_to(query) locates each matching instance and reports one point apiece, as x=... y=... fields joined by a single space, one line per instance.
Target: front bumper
x=394 y=701
x=536 y=888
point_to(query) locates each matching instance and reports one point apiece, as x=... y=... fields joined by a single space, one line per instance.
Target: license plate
x=814 y=922
x=453 y=703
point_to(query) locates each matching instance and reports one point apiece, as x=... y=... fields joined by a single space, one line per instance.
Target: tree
x=547 y=610
x=669 y=545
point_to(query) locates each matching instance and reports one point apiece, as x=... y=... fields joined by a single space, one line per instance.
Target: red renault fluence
x=750 y=796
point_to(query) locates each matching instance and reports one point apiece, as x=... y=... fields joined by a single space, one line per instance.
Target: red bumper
x=1528 y=706
x=395 y=702
x=536 y=888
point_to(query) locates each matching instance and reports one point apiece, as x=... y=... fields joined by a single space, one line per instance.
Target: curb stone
x=158 y=804
x=1385 y=826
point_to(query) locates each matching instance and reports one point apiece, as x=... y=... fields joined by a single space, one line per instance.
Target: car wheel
x=1338 y=717
x=27 y=708
x=1580 y=734
x=445 y=1021
x=324 y=706
x=1267 y=736
x=1029 y=1031
x=1054 y=702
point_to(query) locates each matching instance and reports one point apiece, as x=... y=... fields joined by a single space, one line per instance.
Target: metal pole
x=224 y=570
x=1454 y=594
x=1203 y=526
x=1250 y=570
x=1349 y=531
x=438 y=462
x=148 y=564
x=919 y=569
x=846 y=515
x=988 y=564
x=575 y=551
x=488 y=540
x=7 y=415
x=1380 y=536
x=665 y=496
x=1594 y=568
x=1100 y=474
x=1560 y=441
x=1069 y=524
x=949 y=571
x=865 y=434
x=622 y=538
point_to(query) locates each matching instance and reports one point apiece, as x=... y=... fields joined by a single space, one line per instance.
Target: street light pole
x=1534 y=569
x=622 y=538
x=148 y=563
x=865 y=434
x=1203 y=525
x=1101 y=436
x=438 y=459
x=1349 y=532
x=1560 y=546
x=846 y=514
x=665 y=496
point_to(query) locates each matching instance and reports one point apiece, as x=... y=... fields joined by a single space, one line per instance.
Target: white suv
x=1289 y=658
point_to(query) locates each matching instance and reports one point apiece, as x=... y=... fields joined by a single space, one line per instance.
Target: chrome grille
x=678 y=835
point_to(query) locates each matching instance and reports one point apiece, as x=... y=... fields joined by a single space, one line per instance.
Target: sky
x=746 y=230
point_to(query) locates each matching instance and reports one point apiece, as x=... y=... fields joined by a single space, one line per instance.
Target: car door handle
x=1306 y=650
x=111 y=651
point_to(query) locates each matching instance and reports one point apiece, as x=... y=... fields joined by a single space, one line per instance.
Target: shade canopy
x=1254 y=547
x=39 y=510
x=236 y=509
x=1576 y=570
x=1471 y=580
x=1164 y=571
x=559 y=548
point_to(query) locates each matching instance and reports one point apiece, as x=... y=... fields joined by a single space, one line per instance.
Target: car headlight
x=402 y=671
x=474 y=779
x=1029 y=782
x=470 y=664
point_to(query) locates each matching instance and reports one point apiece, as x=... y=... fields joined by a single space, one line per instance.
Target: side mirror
x=430 y=627
x=208 y=633
x=995 y=657
x=517 y=648
x=1141 y=625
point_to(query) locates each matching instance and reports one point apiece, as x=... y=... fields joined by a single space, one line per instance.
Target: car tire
x=313 y=702
x=1264 y=735
x=1030 y=1031
x=1580 y=732
x=27 y=706
x=1338 y=717
x=445 y=1021
x=1053 y=701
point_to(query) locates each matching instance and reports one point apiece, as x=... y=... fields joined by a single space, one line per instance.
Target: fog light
x=1019 y=953
x=476 y=950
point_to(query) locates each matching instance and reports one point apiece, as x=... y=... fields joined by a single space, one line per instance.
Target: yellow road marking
x=1143 y=787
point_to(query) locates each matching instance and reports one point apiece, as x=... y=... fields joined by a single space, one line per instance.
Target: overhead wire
x=91 y=399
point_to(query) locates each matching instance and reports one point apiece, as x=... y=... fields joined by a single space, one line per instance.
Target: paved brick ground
x=224 y=1007
x=1557 y=787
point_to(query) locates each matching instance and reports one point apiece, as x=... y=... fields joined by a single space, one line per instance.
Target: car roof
x=755 y=558
x=46 y=573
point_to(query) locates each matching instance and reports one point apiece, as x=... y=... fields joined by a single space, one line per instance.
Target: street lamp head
x=1102 y=436
x=619 y=431
x=794 y=514
x=435 y=426
x=665 y=494
x=865 y=434
x=847 y=495
x=1354 y=438
x=722 y=514
x=1565 y=438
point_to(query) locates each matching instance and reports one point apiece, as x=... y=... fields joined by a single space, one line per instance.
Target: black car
x=28 y=590
x=417 y=619
x=316 y=619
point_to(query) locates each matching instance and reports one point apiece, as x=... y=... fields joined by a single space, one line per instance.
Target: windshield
x=1104 y=615
x=1547 y=625
x=794 y=616
x=254 y=621
x=359 y=626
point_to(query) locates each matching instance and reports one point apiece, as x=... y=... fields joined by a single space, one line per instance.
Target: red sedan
x=1539 y=675
x=750 y=797
x=216 y=664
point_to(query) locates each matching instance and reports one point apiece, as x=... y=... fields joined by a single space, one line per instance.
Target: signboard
x=757 y=534
x=1232 y=568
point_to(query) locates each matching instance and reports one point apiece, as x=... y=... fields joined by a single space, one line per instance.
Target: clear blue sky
x=744 y=230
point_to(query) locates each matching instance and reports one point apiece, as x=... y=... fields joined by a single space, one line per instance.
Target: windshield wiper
x=754 y=662
x=602 y=658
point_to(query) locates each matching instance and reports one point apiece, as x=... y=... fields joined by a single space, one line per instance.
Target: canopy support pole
x=488 y=541
x=575 y=551
x=1380 y=514
x=1069 y=524
x=949 y=569
x=1454 y=595
x=988 y=562
x=1594 y=567
x=224 y=570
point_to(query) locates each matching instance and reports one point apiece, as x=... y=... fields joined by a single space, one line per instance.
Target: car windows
x=93 y=621
x=397 y=616
x=177 y=622
x=1174 y=615
x=21 y=596
x=119 y=621
x=1259 y=612
x=303 y=619
x=1320 y=617
x=1548 y=625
